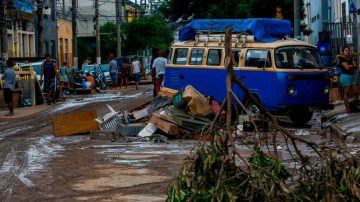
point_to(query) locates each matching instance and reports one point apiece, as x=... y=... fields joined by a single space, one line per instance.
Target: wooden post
x=229 y=76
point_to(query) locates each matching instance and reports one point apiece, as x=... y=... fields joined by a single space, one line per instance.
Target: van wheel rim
x=253 y=110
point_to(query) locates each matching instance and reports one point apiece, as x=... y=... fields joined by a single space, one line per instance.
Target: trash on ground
x=302 y=132
x=166 y=124
x=196 y=102
x=148 y=130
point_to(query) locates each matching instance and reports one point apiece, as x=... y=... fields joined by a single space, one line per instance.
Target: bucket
x=88 y=85
x=83 y=84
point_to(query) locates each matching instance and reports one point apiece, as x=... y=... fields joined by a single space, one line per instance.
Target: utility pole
x=118 y=27
x=40 y=6
x=136 y=9
x=296 y=19
x=74 y=33
x=3 y=32
x=97 y=27
x=63 y=9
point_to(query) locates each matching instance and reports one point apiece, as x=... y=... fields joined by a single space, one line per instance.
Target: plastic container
x=88 y=85
x=83 y=84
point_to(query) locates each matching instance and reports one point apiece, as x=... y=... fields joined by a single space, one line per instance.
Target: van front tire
x=300 y=116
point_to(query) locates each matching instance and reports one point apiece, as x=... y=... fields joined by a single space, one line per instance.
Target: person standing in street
x=159 y=65
x=49 y=71
x=9 y=86
x=125 y=70
x=135 y=71
x=64 y=71
x=348 y=78
x=154 y=55
x=114 y=69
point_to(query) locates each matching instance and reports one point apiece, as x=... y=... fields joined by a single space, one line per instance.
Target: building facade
x=64 y=32
x=49 y=32
x=20 y=29
x=334 y=20
x=86 y=15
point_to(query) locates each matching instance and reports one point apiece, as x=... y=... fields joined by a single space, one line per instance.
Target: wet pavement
x=36 y=166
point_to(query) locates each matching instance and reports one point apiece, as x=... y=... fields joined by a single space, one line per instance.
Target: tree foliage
x=145 y=33
x=84 y=49
x=141 y=34
x=222 y=9
x=175 y=9
x=108 y=39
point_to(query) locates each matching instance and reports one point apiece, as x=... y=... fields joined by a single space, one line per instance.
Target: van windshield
x=297 y=57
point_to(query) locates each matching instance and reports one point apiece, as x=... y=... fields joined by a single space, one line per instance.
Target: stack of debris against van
x=173 y=113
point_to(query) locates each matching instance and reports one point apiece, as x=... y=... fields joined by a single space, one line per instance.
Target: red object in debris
x=215 y=107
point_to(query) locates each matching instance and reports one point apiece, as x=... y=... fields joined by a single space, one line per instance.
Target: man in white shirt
x=159 y=65
x=136 y=68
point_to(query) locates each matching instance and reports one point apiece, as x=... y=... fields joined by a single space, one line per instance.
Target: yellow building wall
x=65 y=40
x=131 y=13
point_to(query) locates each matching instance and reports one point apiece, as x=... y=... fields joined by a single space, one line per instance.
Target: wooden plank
x=74 y=123
x=167 y=127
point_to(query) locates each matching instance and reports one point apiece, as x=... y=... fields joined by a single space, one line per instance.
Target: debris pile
x=173 y=113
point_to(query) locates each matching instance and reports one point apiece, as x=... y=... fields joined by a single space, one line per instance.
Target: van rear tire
x=251 y=108
x=300 y=116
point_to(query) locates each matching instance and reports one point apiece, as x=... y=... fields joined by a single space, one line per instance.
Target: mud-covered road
x=36 y=166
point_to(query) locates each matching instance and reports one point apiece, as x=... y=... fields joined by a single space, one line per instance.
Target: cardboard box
x=167 y=127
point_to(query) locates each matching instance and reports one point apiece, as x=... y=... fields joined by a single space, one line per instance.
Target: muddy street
x=36 y=166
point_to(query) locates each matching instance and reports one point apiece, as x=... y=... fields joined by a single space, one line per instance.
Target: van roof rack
x=263 y=29
x=238 y=39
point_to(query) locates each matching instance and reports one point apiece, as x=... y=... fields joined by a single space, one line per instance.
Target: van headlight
x=291 y=90
x=326 y=90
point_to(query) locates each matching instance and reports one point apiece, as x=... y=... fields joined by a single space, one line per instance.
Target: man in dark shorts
x=49 y=71
x=9 y=78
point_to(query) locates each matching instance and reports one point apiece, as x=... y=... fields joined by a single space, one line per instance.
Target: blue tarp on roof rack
x=264 y=30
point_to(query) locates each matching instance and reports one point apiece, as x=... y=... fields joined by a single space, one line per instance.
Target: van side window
x=236 y=54
x=214 y=57
x=196 y=56
x=180 y=56
x=258 y=58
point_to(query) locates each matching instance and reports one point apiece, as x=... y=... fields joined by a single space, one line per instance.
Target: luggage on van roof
x=264 y=30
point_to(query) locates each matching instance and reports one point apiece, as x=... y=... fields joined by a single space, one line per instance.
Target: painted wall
x=65 y=42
